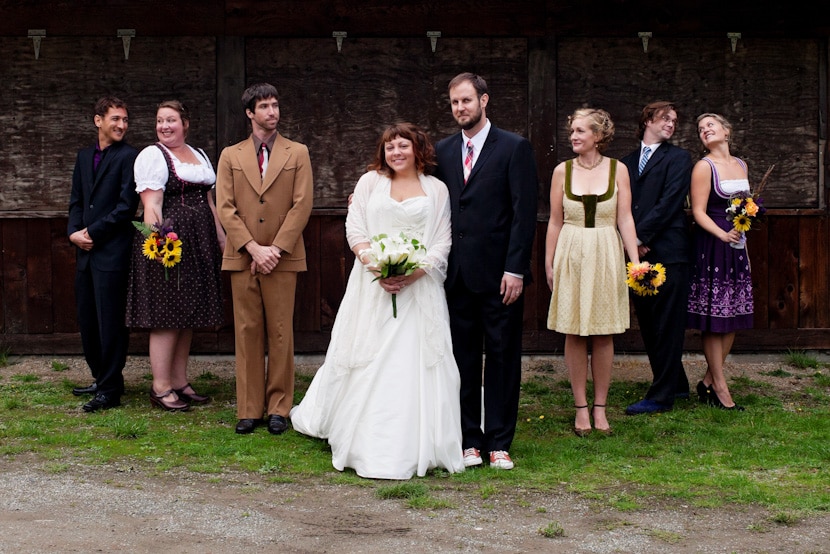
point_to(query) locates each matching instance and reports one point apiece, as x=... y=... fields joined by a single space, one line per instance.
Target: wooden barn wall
x=337 y=103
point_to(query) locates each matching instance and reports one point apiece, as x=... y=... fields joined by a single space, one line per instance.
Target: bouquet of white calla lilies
x=395 y=255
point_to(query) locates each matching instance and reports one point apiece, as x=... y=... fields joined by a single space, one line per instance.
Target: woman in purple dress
x=720 y=297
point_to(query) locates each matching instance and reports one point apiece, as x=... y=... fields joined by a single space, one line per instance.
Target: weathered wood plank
x=15 y=256
x=783 y=273
x=307 y=302
x=39 y=316
x=63 y=279
x=758 y=248
x=813 y=266
x=337 y=260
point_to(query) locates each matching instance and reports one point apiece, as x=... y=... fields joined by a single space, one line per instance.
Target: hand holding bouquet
x=745 y=208
x=161 y=243
x=398 y=255
x=644 y=279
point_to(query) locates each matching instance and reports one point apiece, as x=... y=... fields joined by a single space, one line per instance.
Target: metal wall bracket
x=433 y=38
x=733 y=38
x=37 y=35
x=339 y=36
x=126 y=35
x=644 y=36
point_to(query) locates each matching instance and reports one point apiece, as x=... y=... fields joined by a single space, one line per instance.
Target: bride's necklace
x=589 y=167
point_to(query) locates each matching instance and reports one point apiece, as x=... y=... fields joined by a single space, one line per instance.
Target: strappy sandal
x=192 y=398
x=582 y=433
x=177 y=405
x=607 y=432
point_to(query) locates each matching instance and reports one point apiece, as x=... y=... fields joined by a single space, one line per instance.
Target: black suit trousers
x=101 y=298
x=662 y=320
x=481 y=323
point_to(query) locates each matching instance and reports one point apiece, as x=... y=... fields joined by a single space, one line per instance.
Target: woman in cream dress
x=590 y=221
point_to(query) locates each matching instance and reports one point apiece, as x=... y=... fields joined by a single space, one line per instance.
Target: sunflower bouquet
x=745 y=208
x=644 y=278
x=161 y=243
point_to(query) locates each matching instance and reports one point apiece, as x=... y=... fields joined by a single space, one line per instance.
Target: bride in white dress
x=387 y=396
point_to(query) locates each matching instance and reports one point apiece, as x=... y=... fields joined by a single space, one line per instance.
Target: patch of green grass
x=5 y=352
x=407 y=490
x=25 y=378
x=552 y=530
x=780 y=372
x=821 y=379
x=58 y=365
x=429 y=502
x=774 y=455
x=801 y=359
x=666 y=536
x=787 y=519
x=123 y=426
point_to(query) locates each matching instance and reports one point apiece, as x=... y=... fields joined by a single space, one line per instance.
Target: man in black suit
x=102 y=206
x=658 y=195
x=491 y=177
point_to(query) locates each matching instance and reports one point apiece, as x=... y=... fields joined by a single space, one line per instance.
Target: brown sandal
x=579 y=432
x=194 y=398
x=607 y=432
x=177 y=405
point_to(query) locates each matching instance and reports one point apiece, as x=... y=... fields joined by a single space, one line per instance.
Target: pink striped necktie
x=468 y=161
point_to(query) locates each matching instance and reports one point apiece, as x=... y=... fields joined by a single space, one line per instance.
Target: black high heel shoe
x=715 y=402
x=704 y=393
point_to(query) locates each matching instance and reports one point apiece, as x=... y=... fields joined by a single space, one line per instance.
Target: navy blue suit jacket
x=658 y=199
x=105 y=203
x=494 y=214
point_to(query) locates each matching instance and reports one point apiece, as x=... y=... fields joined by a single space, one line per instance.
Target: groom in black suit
x=659 y=188
x=491 y=177
x=102 y=205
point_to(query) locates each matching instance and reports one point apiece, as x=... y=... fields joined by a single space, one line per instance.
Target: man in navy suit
x=491 y=177
x=102 y=205
x=658 y=196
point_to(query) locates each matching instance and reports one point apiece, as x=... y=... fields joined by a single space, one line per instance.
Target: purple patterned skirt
x=720 y=295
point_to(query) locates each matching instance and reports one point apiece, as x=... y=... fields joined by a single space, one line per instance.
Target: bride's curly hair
x=425 y=161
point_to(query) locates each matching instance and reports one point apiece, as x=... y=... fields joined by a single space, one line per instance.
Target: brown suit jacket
x=273 y=210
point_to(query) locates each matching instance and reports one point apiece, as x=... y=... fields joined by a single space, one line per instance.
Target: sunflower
x=742 y=222
x=172 y=257
x=644 y=279
x=150 y=248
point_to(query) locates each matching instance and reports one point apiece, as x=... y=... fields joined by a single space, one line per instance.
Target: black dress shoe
x=102 y=401
x=81 y=391
x=277 y=424
x=245 y=426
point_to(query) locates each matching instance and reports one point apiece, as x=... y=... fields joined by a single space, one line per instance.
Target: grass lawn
x=776 y=454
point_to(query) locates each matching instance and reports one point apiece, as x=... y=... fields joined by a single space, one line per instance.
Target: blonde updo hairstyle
x=599 y=122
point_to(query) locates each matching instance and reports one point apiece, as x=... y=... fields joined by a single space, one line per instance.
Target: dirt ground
x=120 y=508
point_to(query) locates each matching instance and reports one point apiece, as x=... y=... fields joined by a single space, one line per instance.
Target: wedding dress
x=387 y=395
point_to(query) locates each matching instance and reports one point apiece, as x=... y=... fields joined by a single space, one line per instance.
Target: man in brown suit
x=264 y=195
